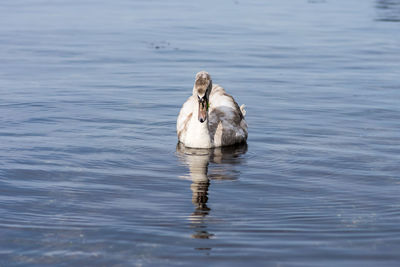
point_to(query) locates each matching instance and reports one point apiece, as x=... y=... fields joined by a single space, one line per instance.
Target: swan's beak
x=202 y=109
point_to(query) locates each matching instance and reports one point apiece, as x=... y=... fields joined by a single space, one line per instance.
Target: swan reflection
x=198 y=160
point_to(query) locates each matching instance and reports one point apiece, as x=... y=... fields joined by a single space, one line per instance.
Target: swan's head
x=201 y=90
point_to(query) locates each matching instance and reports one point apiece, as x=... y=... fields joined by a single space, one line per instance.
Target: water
x=90 y=170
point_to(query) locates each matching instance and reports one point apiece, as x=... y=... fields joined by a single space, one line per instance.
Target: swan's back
x=227 y=125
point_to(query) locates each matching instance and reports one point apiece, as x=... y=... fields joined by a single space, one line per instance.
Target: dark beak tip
x=202 y=120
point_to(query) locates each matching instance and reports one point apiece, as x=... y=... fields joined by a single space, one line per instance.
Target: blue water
x=90 y=170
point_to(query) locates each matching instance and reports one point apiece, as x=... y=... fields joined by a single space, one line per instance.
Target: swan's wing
x=218 y=98
x=184 y=116
x=225 y=106
x=226 y=118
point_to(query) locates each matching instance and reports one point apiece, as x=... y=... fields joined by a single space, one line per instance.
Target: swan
x=210 y=117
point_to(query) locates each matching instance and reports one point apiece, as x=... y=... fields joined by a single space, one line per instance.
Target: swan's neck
x=198 y=134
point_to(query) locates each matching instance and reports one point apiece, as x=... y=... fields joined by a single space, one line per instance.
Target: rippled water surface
x=90 y=169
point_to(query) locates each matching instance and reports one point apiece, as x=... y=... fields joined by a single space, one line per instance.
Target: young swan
x=210 y=117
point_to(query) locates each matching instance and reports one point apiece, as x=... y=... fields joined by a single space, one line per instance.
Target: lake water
x=90 y=170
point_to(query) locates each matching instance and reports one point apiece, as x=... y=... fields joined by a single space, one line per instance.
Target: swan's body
x=210 y=117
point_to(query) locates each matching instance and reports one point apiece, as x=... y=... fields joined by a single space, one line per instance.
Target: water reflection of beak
x=203 y=103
